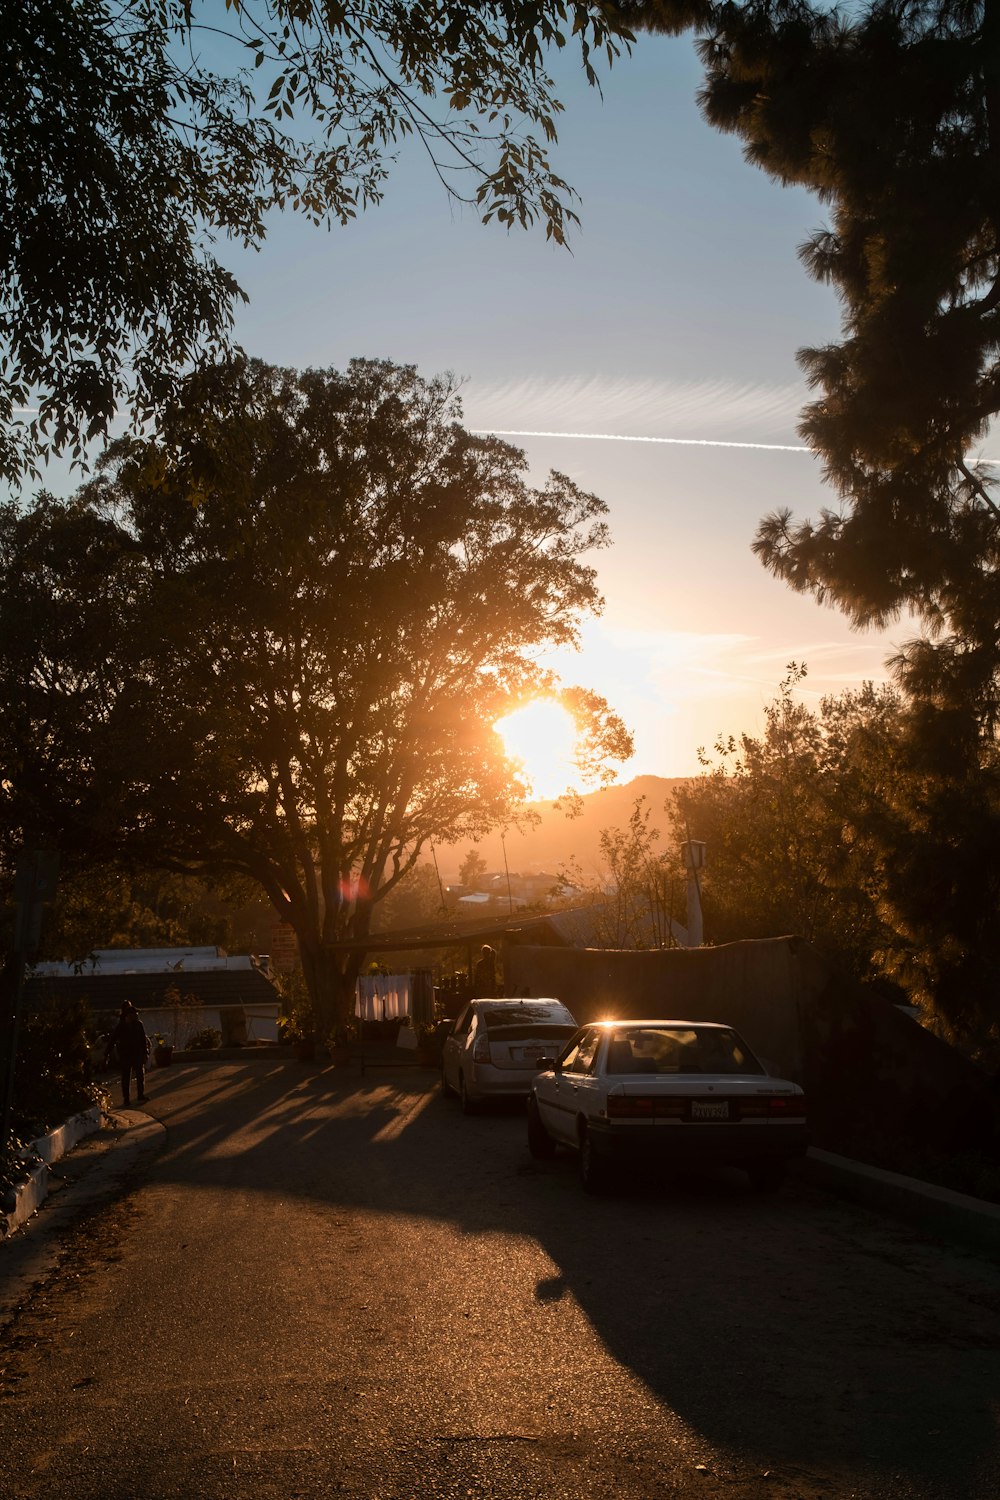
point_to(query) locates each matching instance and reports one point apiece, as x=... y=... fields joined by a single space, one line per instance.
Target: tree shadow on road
x=757 y=1321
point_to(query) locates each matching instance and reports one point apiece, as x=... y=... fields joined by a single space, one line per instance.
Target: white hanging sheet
x=383 y=997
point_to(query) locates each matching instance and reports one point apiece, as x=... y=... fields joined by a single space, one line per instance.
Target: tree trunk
x=331 y=979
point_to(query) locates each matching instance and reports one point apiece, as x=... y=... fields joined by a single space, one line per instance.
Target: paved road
x=329 y=1285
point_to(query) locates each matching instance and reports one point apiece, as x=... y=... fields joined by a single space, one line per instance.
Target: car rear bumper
x=735 y=1145
x=487 y=1082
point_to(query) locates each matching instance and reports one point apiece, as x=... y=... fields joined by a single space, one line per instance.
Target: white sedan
x=665 y=1092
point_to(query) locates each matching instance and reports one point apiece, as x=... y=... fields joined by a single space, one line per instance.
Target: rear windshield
x=547 y=1032
x=524 y=1014
x=677 y=1049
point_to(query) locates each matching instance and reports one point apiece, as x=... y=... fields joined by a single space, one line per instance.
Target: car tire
x=540 y=1143
x=766 y=1176
x=593 y=1167
x=468 y=1105
x=446 y=1088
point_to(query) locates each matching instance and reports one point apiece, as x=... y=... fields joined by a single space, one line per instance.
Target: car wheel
x=540 y=1143
x=593 y=1167
x=468 y=1105
x=446 y=1088
x=766 y=1176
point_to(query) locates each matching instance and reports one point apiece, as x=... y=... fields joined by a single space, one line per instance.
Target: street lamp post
x=693 y=852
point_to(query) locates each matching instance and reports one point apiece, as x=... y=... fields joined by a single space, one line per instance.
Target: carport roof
x=448 y=934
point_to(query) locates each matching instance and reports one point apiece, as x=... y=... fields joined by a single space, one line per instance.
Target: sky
x=676 y=316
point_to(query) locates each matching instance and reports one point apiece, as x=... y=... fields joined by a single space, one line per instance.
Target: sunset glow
x=541 y=737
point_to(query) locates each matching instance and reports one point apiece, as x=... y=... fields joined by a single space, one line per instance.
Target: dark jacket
x=129 y=1036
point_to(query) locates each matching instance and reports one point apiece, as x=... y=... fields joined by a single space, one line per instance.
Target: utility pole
x=510 y=898
x=437 y=872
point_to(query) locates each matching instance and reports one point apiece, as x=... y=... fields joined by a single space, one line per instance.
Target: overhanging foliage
x=134 y=134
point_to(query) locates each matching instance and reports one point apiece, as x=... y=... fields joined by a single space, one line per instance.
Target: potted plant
x=163 y=1052
x=297 y=1032
x=430 y=1042
x=339 y=1043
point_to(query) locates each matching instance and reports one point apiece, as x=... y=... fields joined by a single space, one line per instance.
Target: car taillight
x=629 y=1107
x=753 y=1109
x=787 y=1107
x=481 y=1049
x=644 y=1107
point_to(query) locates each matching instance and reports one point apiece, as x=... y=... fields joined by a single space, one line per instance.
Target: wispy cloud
x=694 y=665
x=678 y=689
x=705 y=412
x=605 y=409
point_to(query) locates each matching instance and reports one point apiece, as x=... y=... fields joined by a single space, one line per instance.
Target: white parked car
x=495 y=1046
x=665 y=1093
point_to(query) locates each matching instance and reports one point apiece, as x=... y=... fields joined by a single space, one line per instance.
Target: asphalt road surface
x=334 y=1285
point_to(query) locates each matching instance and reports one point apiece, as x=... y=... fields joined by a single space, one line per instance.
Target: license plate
x=710 y=1109
x=527 y=1054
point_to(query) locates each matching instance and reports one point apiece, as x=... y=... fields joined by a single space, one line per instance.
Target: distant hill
x=556 y=839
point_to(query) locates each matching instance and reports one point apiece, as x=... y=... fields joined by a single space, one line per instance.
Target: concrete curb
x=24 y=1199
x=53 y=1146
x=955 y=1216
x=29 y=1195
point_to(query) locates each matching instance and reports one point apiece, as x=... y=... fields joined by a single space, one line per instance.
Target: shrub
x=52 y=1079
x=208 y=1037
x=297 y=1023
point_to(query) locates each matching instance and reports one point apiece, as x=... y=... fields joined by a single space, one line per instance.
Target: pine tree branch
x=979 y=489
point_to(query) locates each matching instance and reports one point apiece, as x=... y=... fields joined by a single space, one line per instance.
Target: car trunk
x=522 y=1046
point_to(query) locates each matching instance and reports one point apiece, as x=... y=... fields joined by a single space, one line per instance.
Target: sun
x=541 y=737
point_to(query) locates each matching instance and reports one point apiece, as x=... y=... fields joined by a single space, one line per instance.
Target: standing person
x=129 y=1036
x=485 y=975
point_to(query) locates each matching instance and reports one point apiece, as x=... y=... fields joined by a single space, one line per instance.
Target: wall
x=754 y=986
x=238 y=1024
x=880 y=1087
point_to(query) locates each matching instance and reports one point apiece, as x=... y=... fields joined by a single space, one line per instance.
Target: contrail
x=625 y=437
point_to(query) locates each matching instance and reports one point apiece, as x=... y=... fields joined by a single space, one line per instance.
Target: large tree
x=273 y=642
x=871 y=826
x=791 y=818
x=889 y=112
x=136 y=133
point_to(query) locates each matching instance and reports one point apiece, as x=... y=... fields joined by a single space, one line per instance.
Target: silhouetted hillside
x=556 y=839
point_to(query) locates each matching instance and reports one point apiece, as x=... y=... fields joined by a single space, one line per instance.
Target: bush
x=52 y=1079
x=208 y=1037
x=297 y=1023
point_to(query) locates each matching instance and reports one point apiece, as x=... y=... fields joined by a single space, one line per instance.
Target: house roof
x=573 y=927
x=148 y=990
